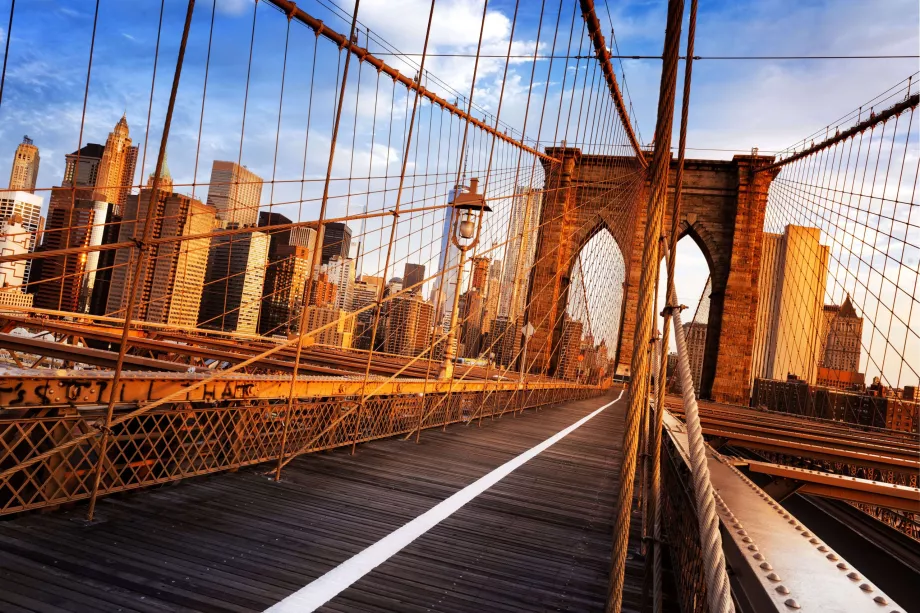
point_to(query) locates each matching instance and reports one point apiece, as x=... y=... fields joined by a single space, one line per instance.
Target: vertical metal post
x=659 y=170
x=318 y=248
x=447 y=367
x=655 y=502
x=139 y=265
x=523 y=370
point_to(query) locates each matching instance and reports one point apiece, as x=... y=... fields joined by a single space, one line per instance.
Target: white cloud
x=234 y=7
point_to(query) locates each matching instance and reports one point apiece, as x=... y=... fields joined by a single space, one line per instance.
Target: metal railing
x=772 y=556
x=682 y=536
x=38 y=469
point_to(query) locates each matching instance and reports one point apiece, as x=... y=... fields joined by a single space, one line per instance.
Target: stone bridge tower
x=722 y=209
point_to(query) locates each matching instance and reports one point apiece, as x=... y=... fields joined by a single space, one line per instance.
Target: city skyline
x=236 y=194
x=236 y=278
x=123 y=74
x=244 y=209
x=272 y=192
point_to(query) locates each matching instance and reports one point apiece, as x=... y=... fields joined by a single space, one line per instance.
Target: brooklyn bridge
x=392 y=307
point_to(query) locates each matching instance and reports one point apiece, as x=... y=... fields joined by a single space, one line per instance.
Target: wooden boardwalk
x=539 y=540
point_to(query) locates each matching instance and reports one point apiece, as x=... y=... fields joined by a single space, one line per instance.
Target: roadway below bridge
x=514 y=515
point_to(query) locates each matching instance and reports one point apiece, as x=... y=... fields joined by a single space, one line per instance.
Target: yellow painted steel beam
x=843 y=487
x=68 y=388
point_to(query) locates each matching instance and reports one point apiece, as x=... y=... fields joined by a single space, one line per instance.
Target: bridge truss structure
x=144 y=355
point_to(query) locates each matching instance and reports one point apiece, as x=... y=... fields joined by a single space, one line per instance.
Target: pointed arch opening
x=592 y=324
x=693 y=284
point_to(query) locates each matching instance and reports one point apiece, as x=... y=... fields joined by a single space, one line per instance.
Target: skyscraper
x=375 y=281
x=793 y=280
x=339 y=329
x=841 y=347
x=82 y=167
x=170 y=288
x=695 y=334
x=72 y=222
x=323 y=291
x=14 y=240
x=97 y=271
x=341 y=272
x=491 y=296
x=366 y=294
x=24 y=173
x=336 y=241
x=520 y=250
x=236 y=193
x=409 y=324
x=589 y=364
x=480 y=272
x=166 y=182
x=299 y=236
x=232 y=296
x=570 y=349
x=843 y=337
x=447 y=262
x=470 y=322
x=285 y=275
x=29 y=207
x=116 y=168
x=282 y=294
x=505 y=340
x=97 y=289
x=413 y=276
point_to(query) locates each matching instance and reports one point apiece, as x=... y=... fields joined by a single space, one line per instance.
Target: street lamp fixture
x=469 y=207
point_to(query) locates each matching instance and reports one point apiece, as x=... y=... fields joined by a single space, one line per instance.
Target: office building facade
x=236 y=193
x=170 y=288
x=336 y=242
x=29 y=208
x=790 y=311
x=232 y=297
x=24 y=172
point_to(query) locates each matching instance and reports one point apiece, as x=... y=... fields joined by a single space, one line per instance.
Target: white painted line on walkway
x=327 y=587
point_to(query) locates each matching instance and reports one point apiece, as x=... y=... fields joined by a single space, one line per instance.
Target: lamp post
x=471 y=205
x=527 y=331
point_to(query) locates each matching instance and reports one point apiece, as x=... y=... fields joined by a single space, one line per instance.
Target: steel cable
x=659 y=169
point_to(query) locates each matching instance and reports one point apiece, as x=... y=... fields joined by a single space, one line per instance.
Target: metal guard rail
x=196 y=438
x=777 y=564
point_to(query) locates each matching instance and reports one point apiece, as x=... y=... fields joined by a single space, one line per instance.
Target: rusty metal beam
x=82 y=355
x=822 y=452
x=862 y=126
x=39 y=388
x=755 y=421
x=341 y=41
x=777 y=563
x=603 y=57
x=842 y=487
x=719 y=428
x=317 y=359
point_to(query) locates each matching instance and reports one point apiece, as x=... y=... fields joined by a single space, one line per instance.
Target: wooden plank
x=538 y=540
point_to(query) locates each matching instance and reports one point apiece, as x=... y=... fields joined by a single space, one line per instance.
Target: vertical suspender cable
x=655 y=451
x=660 y=165
x=140 y=261
x=318 y=248
x=718 y=590
x=6 y=53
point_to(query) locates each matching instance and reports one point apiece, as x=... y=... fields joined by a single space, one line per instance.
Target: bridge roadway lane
x=538 y=540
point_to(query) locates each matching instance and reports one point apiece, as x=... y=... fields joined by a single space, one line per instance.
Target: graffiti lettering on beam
x=64 y=389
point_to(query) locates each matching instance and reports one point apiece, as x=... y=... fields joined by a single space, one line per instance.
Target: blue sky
x=736 y=105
